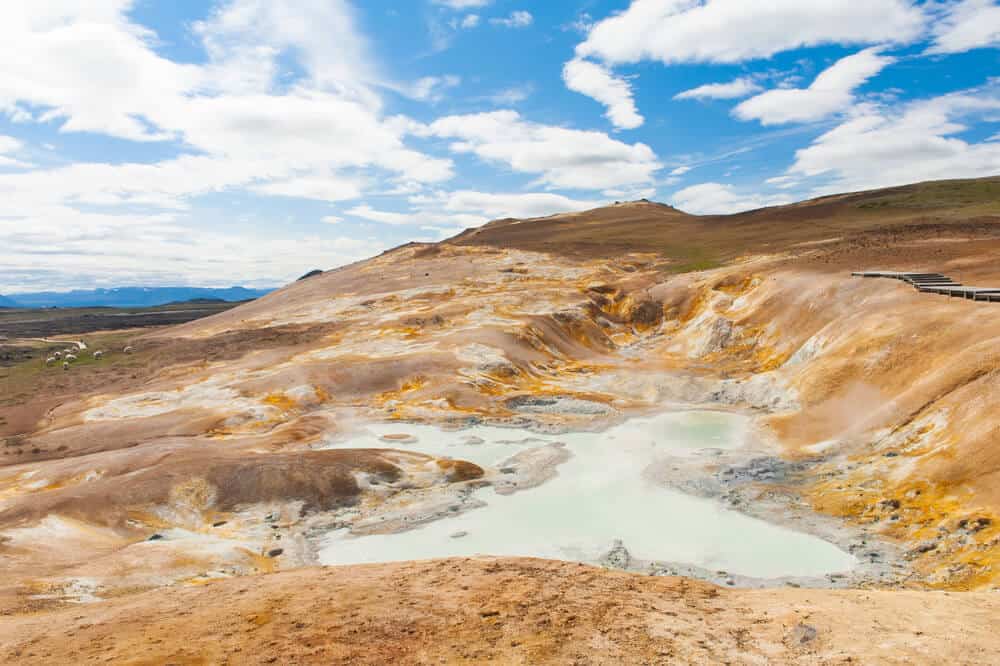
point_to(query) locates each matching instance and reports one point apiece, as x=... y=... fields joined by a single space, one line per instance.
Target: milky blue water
x=601 y=494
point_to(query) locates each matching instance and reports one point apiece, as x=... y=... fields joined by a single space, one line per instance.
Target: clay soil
x=504 y=611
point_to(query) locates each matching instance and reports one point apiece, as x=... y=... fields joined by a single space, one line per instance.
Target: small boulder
x=801 y=635
x=618 y=557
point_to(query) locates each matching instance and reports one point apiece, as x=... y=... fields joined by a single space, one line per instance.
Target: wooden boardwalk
x=937 y=283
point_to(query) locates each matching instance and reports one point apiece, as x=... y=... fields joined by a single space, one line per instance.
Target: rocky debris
x=530 y=468
x=459 y=534
x=646 y=313
x=720 y=336
x=801 y=635
x=764 y=469
x=616 y=558
x=310 y=274
x=435 y=321
x=557 y=405
x=274 y=552
x=763 y=391
x=921 y=548
x=154 y=537
x=973 y=525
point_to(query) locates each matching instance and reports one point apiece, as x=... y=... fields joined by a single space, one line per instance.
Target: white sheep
x=98 y=355
x=50 y=360
x=58 y=354
x=129 y=349
x=70 y=358
x=65 y=365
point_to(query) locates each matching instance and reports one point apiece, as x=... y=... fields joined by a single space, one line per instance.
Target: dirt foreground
x=508 y=611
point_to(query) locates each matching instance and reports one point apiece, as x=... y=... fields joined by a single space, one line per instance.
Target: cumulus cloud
x=114 y=90
x=733 y=89
x=720 y=199
x=238 y=123
x=832 y=91
x=881 y=147
x=969 y=24
x=727 y=31
x=596 y=81
x=561 y=157
x=517 y=19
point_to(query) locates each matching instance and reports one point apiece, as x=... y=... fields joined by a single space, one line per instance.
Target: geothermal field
x=627 y=435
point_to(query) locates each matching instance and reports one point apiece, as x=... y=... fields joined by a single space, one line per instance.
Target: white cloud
x=727 y=31
x=288 y=144
x=469 y=21
x=62 y=248
x=919 y=141
x=596 y=81
x=238 y=122
x=9 y=144
x=970 y=24
x=563 y=158
x=832 y=91
x=321 y=187
x=431 y=88
x=331 y=219
x=719 y=199
x=783 y=182
x=517 y=19
x=513 y=95
x=500 y=205
x=86 y=67
x=581 y=24
x=731 y=90
x=366 y=212
x=463 y=4
x=680 y=171
x=322 y=33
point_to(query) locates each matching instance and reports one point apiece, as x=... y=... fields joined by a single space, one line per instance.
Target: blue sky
x=248 y=141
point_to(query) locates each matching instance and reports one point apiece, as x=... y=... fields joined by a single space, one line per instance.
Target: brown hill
x=695 y=242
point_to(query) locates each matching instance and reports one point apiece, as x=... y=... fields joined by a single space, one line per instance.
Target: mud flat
x=635 y=496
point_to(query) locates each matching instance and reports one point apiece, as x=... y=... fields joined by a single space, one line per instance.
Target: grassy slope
x=693 y=242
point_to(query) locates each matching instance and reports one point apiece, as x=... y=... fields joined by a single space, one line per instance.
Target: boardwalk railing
x=936 y=283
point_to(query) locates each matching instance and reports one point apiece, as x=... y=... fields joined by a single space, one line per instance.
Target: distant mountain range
x=127 y=297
